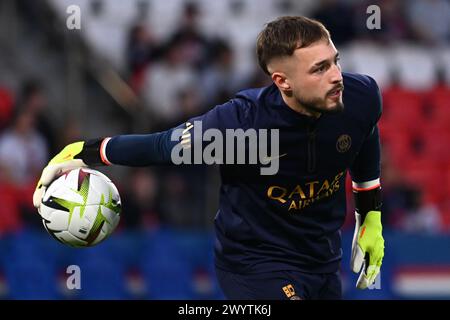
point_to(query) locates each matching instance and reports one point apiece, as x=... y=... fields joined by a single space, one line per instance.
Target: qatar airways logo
x=229 y=146
x=303 y=195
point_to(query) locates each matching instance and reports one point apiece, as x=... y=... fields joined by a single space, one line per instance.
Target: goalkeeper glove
x=367 y=248
x=75 y=155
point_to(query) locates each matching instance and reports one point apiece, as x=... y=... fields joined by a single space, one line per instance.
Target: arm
x=138 y=150
x=368 y=242
x=156 y=148
x=134 y=150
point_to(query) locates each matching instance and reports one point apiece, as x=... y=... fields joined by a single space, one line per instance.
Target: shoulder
x=257 y=96
x=241 y=109
x=360 y=83
x=363 y=91
x=235 y=113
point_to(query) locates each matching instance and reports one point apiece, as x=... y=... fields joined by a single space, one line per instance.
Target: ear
x=281 y=81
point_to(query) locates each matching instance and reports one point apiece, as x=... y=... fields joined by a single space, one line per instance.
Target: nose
x=336 y=75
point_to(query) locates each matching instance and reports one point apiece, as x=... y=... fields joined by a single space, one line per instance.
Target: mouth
x=336 y=93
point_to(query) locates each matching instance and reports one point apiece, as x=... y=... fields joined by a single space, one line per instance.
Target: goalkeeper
x=278 y=235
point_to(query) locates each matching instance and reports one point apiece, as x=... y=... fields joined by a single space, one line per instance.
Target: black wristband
x=91 y=152
x=366 y=201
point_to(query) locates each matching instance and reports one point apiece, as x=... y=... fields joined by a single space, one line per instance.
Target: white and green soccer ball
x=81 y=208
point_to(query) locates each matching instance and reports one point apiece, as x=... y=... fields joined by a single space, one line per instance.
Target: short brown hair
x=284 y=35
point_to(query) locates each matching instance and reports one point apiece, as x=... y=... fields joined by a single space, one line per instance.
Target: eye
x=320 y=69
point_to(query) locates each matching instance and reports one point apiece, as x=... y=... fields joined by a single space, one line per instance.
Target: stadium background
x=145 y=65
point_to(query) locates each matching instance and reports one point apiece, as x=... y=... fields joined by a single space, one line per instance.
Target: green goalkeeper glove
x=367 y=248
x=75 y=155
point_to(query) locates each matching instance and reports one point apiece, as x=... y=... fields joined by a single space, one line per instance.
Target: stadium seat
x=444 y=208
x=10 y=219
x=440 y=118
x=108 y=39
x=415 y=66
x=6 y=107
x=102 y=272
x=30 y=271
x=443 y=60
x=165 y=269
x=427 y=177
x=165 y=16
x=404 y=108
x=199 y=247
x=121 y=13
x=439 y=96
x=370 y=60
x=62 y=5
x=389 y=131
x=447 y=185
x=396 y=143
x=445 y=215
x=434 y=141
x=438 y=107
x=179 y=264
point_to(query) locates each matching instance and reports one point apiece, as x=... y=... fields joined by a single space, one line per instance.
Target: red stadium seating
x=435 y=146
x=6 y=106
x=444 y=205
x=10 y=219
x=415 y=134
x=397 y=144
x=428 y=178
x=404 y=108
x=438 y=96
x=439 y=115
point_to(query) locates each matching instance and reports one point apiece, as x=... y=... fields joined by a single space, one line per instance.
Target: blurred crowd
x=186 y=70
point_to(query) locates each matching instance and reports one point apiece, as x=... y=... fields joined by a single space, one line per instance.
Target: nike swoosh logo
x=269 y=159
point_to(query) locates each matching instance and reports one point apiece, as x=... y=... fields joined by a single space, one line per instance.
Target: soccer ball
x=81 y=208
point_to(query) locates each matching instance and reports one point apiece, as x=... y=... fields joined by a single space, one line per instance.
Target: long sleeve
x=140 y=150
x=156 y=148
x=366 y=166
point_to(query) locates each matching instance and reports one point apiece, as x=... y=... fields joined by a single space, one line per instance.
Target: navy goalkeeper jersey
x=290 y=220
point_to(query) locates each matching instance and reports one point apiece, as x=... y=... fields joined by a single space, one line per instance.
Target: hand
x=64 y=161
x=367 y=248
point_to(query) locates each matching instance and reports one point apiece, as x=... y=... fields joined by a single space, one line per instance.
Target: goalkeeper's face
x=312 y=78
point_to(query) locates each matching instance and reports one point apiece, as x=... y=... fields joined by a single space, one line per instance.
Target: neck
x=293 y=103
